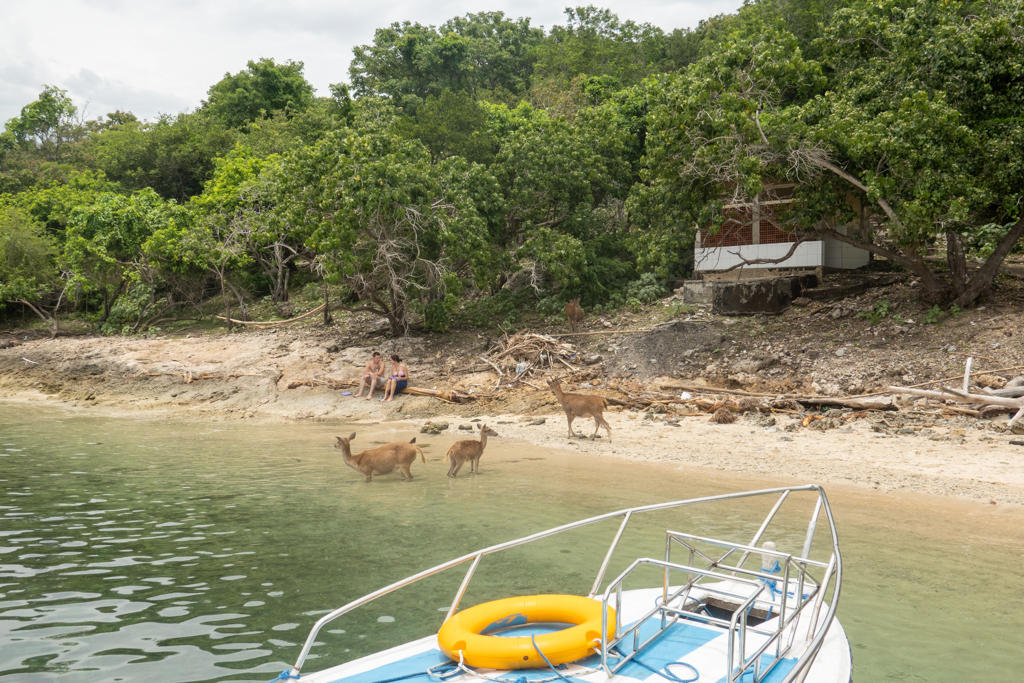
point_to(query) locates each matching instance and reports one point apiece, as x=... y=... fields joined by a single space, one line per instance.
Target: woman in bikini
x=398 y=380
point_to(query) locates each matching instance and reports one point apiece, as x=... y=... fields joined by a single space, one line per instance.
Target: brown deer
x=470 y=449
x=582 y=405
x=381 y=460
x=574 y=314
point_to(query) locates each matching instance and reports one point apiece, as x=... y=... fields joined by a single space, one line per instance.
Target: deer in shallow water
x=582 y=405
x=381 y=460
x=469 y=449
x=574 y=314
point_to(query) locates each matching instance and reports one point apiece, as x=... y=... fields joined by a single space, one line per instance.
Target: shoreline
x=273 y=378
x=974 y=468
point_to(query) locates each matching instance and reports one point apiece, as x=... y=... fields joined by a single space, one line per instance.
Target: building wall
x=807 y=255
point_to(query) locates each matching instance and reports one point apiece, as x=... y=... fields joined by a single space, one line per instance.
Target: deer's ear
x=479 y=426
x=352 y=437
x=338 y=438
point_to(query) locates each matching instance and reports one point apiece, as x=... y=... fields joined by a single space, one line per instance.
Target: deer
x=582 y=405
x=469 y=449
x=381 y=460
x=574 y=314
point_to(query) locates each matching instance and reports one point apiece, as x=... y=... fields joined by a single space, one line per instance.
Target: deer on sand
x=582 y=405
x=469 y=449
x=574 y=314
x=381 y=460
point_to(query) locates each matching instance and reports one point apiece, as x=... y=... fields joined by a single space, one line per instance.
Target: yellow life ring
x=464 y=631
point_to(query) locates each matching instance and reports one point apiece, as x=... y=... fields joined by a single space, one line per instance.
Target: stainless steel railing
x=728 y=587
x=815 y=639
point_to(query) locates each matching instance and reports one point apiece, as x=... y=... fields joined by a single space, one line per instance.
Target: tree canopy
x=490 y=159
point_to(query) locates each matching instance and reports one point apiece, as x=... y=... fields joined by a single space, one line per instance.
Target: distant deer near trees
x=582 y=405
x=381 y=460
x=470 y=449
x=574 y=314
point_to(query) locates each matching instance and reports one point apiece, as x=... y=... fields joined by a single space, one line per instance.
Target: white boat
x=723 y=612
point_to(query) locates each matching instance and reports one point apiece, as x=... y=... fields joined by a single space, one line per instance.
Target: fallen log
x=879 y=403
x=1011 y=392
x=273 y=323
x=960 y=396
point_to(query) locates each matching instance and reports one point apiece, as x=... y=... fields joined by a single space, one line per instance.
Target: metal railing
x=728 y=587
x=815 y=635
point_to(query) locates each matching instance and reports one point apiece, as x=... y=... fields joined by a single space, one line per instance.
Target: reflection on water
x=134 y=549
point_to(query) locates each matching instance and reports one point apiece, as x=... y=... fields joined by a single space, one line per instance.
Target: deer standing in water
x=381 y=460
x=469 y=449
x=574 y=314
x=582 y=405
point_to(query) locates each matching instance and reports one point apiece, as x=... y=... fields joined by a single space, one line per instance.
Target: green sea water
x=135 y=549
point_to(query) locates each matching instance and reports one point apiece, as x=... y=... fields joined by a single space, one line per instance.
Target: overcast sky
x=157 y=56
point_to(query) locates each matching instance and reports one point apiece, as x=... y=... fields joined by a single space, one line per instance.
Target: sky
x=155 y=57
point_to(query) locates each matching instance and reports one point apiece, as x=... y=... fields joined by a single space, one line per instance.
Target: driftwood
x=1011 y=392
x=273 y=323
x=867 y=402
x=960 y=396
x=878 y=403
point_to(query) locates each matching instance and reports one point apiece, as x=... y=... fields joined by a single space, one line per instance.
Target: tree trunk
x=956 y=261
x=396 y=316
x=327 y=305
x=47 y=317
x=983 y=277
x=243 y=310
x=227 y=301
x=106 y=306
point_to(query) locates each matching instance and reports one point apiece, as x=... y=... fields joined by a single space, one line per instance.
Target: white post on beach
x=967 y=373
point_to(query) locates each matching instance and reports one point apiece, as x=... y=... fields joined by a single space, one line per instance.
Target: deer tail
x=421 y=455
x=448 y=454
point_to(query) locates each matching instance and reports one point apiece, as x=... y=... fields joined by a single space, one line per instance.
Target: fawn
x=470 y=449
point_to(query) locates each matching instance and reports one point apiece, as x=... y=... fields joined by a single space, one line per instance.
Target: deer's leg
x=569 y=416
x=406 y=472
x=458 y=467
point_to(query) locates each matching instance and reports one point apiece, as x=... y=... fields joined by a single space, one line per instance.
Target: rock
x=765 y=421
x=905 y=431
x=607 y=324
x=434 y=427
x=824 y=423
x=841 y=352
x=475 y=419
x=466 y=428
x=536 y=421
x=658 y=408
x=592 y=359
x=785 y=438
x=990 y=381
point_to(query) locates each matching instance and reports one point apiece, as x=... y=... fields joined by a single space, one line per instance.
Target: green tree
x=174 y=155
x=453 y=124
x=28 y=269
x=262 y=88
x=48 y=124
x=382 y=219
x=103 y=249
x=241 y=200
x=563 y=184
x=484 y=54
x=595 y=42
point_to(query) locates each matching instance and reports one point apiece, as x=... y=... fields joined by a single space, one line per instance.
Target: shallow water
x=136 y=549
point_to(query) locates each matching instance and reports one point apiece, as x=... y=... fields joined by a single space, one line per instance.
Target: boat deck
x=703 y=647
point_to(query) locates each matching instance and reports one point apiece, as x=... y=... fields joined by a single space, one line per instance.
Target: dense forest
x=465 y=171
